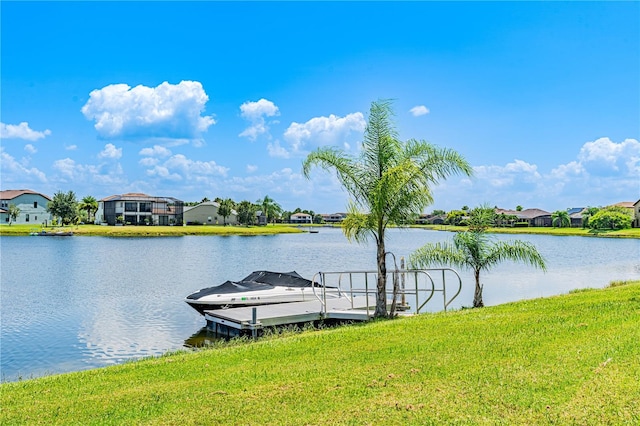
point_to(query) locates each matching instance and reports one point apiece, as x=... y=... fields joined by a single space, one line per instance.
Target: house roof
x=138 y=196
x=625 y=204
x=524 y=214
x=10 y=194
x=300 y=215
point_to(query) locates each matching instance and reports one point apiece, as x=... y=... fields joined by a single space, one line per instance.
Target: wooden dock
x=246 y=319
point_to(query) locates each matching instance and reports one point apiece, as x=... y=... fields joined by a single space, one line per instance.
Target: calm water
x=76 y=303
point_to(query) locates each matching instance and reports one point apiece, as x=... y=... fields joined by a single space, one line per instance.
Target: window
x=130 y=207
x=35 y=204
x=26 y=217
x=145 y=207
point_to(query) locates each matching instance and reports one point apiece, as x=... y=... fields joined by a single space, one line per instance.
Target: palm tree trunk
x=381 y=293
x=477 y=297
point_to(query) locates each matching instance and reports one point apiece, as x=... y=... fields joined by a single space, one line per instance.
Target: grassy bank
x=621 y=233
x=156 y=231
x=570 y=359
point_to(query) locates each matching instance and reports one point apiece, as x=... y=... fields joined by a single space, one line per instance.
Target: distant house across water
x=32 y=205
x=140 y=209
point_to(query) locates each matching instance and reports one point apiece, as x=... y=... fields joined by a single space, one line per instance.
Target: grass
x=570 y=359
x=157 y=231
x=620 y=233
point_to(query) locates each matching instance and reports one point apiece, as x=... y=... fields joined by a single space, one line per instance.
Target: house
x=534 y=217
x=575 y=216
x=424 y=219
x=140 y=209
x=300 y=218
x=636 y=214
x=207 y=213
x=333 y=217
x=32 y=205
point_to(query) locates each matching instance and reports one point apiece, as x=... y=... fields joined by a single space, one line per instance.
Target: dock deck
x=244 y=319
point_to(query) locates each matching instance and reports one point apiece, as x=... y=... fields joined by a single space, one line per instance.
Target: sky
x=215 y=99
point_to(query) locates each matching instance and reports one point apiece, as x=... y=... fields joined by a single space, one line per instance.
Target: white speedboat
x=259 y=288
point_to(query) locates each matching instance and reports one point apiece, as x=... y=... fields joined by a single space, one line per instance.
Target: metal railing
x=418 y=284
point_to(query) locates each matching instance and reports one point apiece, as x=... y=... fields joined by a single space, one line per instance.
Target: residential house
x=32 y=205
x=575 y=216
x=636 y=214
x=424 y=219
x=140 y=209
x=534 y=217
x=207 y=214
x=300 y=218
x=333 y=217
x=633 y=210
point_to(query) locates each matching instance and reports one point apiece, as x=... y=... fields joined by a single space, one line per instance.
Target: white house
x=32 y=205
x=300 y=218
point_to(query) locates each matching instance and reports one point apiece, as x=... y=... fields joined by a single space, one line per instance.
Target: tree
x=454 y=217
x=518 y=208
x=389 y=182
x=612 y=217
x=270 y=208
x=64 y=206
x=474 y=250
x=14 y=211
x=90 y=205
x=587 y=214
x=224 y=209
x=560 y=219
x=246 y=212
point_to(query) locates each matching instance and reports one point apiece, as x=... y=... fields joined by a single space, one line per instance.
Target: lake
x=75 y=303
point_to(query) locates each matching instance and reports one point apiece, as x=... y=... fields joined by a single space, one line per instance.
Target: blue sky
x=213 y=99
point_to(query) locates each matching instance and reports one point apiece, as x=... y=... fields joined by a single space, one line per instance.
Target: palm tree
x=389 y=182
x=270 y=208
x=14 y=211
x=474 y=250
x=560 y=218
x=90 y=204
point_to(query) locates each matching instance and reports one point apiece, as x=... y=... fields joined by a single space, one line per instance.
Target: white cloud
x=330 y=130
x=171 y=111
x=419 y=110
x=164 y=173
x=30 y=148
x=276 y=150
x=180 y=168
x=71 y=147
x=21 y=131
x=255 y=113
x=111 y=152
x=12 y=171
x=156 y=151
x=251 y=168
x=605 y=157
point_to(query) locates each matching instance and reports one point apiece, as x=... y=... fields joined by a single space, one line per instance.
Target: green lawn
x=621 y=233
x=566 y=360
x=157 y=231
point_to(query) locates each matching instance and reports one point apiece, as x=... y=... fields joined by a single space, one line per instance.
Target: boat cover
x=258 y=280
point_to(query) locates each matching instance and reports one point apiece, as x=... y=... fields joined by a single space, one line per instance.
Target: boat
x=258 y=288
x=53 y=234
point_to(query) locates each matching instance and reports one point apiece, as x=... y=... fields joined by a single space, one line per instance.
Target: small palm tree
x=475 y=251
x=560 y=219
x=14 y=211
x=270 y=208
x=390 y=182
x=90 y=204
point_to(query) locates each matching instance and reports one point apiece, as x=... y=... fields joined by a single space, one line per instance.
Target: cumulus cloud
x=111 y=152
x=14 y=171
x=71 y=147
x=255 y=113
x=605 y=157
x=30 y=148
x=251 y=168
x=171 y=111
x=156 y=151
x=21 y=131
x=180 y=168
x=276 y=150
x=331 y=130
x=419 y=110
